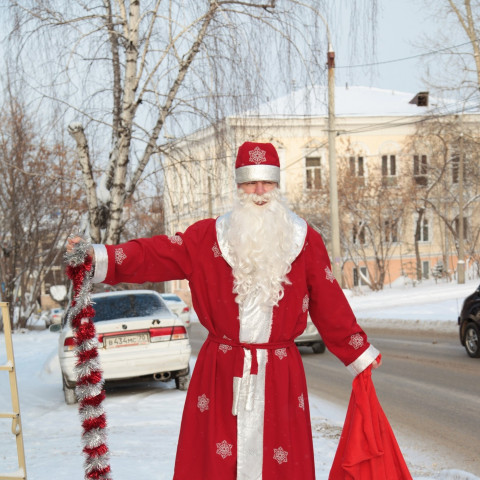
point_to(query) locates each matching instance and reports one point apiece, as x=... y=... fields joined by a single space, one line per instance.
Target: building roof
x=351 y=101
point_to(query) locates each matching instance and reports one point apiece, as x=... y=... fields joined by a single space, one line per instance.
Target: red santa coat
x=210 y=444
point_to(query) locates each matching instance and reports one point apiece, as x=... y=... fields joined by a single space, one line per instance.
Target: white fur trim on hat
x=257 y=173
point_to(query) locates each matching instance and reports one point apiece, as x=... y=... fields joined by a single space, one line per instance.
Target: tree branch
x=76 y=130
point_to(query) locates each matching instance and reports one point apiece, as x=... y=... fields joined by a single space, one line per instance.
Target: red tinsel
x=96 y=451
x=98 y=422
x=83 y=327
x=93 y=401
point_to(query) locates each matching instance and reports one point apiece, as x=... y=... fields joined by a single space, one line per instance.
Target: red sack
x=367 y=449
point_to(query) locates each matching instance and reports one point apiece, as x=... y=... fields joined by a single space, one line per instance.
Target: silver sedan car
x=138 y=338
x=178 y=307
x=311 y=338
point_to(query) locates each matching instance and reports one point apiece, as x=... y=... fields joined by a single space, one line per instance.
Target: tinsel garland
x=89 y=389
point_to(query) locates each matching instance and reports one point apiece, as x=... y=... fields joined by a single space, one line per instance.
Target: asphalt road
x=428 y=387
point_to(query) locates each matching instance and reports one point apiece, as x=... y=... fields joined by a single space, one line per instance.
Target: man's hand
x=376 y=363
x=72 y=242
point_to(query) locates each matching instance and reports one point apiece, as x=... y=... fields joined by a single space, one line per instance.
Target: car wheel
x=69 y=394
x=182 y=382
x=472 y=343
x=318 y=347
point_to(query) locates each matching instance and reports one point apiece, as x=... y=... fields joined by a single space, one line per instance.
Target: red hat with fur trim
x=257 y=162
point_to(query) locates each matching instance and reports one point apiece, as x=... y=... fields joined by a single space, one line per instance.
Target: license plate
x=126 y=340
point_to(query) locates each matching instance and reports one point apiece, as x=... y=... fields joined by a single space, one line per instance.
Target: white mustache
x=253 y=198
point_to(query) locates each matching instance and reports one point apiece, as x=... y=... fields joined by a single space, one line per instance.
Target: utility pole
x=461 y=246
x=210 y=206
x=334 y=217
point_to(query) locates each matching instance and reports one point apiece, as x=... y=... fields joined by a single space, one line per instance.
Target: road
x=428 y=387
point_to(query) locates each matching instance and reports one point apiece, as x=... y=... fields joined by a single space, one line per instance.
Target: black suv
x=469 y=322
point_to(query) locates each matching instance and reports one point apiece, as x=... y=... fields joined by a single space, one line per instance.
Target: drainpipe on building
x=461 y=246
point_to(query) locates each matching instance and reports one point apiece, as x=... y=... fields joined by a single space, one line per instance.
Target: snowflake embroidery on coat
x=280 y=455
x=305 y=303
x=330 y=276
x=356 y=341
x=176 y=239
x=224 y=348
x=203 y=402
x=119 y=256
x=281 y=353
x=216 y=251
x=257 y=155
x=301 y=402
x=224 y=449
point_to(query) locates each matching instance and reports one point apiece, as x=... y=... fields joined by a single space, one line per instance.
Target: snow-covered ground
x=144 y=422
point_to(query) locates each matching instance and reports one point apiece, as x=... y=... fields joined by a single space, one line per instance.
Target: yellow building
x=398 y=159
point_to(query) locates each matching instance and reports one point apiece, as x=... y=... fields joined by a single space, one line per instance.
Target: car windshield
x=171 y=298
x=127 y=306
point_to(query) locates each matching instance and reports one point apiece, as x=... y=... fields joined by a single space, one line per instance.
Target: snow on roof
x=351 y=101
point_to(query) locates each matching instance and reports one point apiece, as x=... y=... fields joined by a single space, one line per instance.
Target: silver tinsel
x=86 y=368
x=87 y=391
x=94 y=438
x=89 y=344
x=97 y=463
x=90 y=411
x=75 y=258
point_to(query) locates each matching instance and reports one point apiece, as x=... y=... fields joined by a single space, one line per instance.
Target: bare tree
x=455 y=66
x=36 y=205
x=434 y=173
x=467 y=16
x=373 y=213
x=374 y=209
x=137 y=73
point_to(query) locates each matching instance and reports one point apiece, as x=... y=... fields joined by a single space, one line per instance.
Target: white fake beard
x=261 y=241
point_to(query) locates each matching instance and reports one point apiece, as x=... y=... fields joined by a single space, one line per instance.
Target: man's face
x=259 y=188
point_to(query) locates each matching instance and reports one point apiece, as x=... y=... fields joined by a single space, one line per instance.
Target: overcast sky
x=402 y=24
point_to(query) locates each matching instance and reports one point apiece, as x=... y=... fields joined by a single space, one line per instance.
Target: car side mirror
x=56 y=327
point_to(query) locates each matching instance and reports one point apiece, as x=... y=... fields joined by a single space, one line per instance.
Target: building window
x=465 y=227
x=456 y=168
x=357 y=169
x=358 y=234
x=389 y=170
x=312 y=170
x=391 y=231
x=359 y=279
x=426 y=269
x=423 y=234
x=420 y=169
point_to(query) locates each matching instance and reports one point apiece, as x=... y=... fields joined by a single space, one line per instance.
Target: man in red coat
x=254 y=274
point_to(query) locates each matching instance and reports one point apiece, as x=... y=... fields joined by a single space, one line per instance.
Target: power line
x=403 y=59
x=392 y=124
